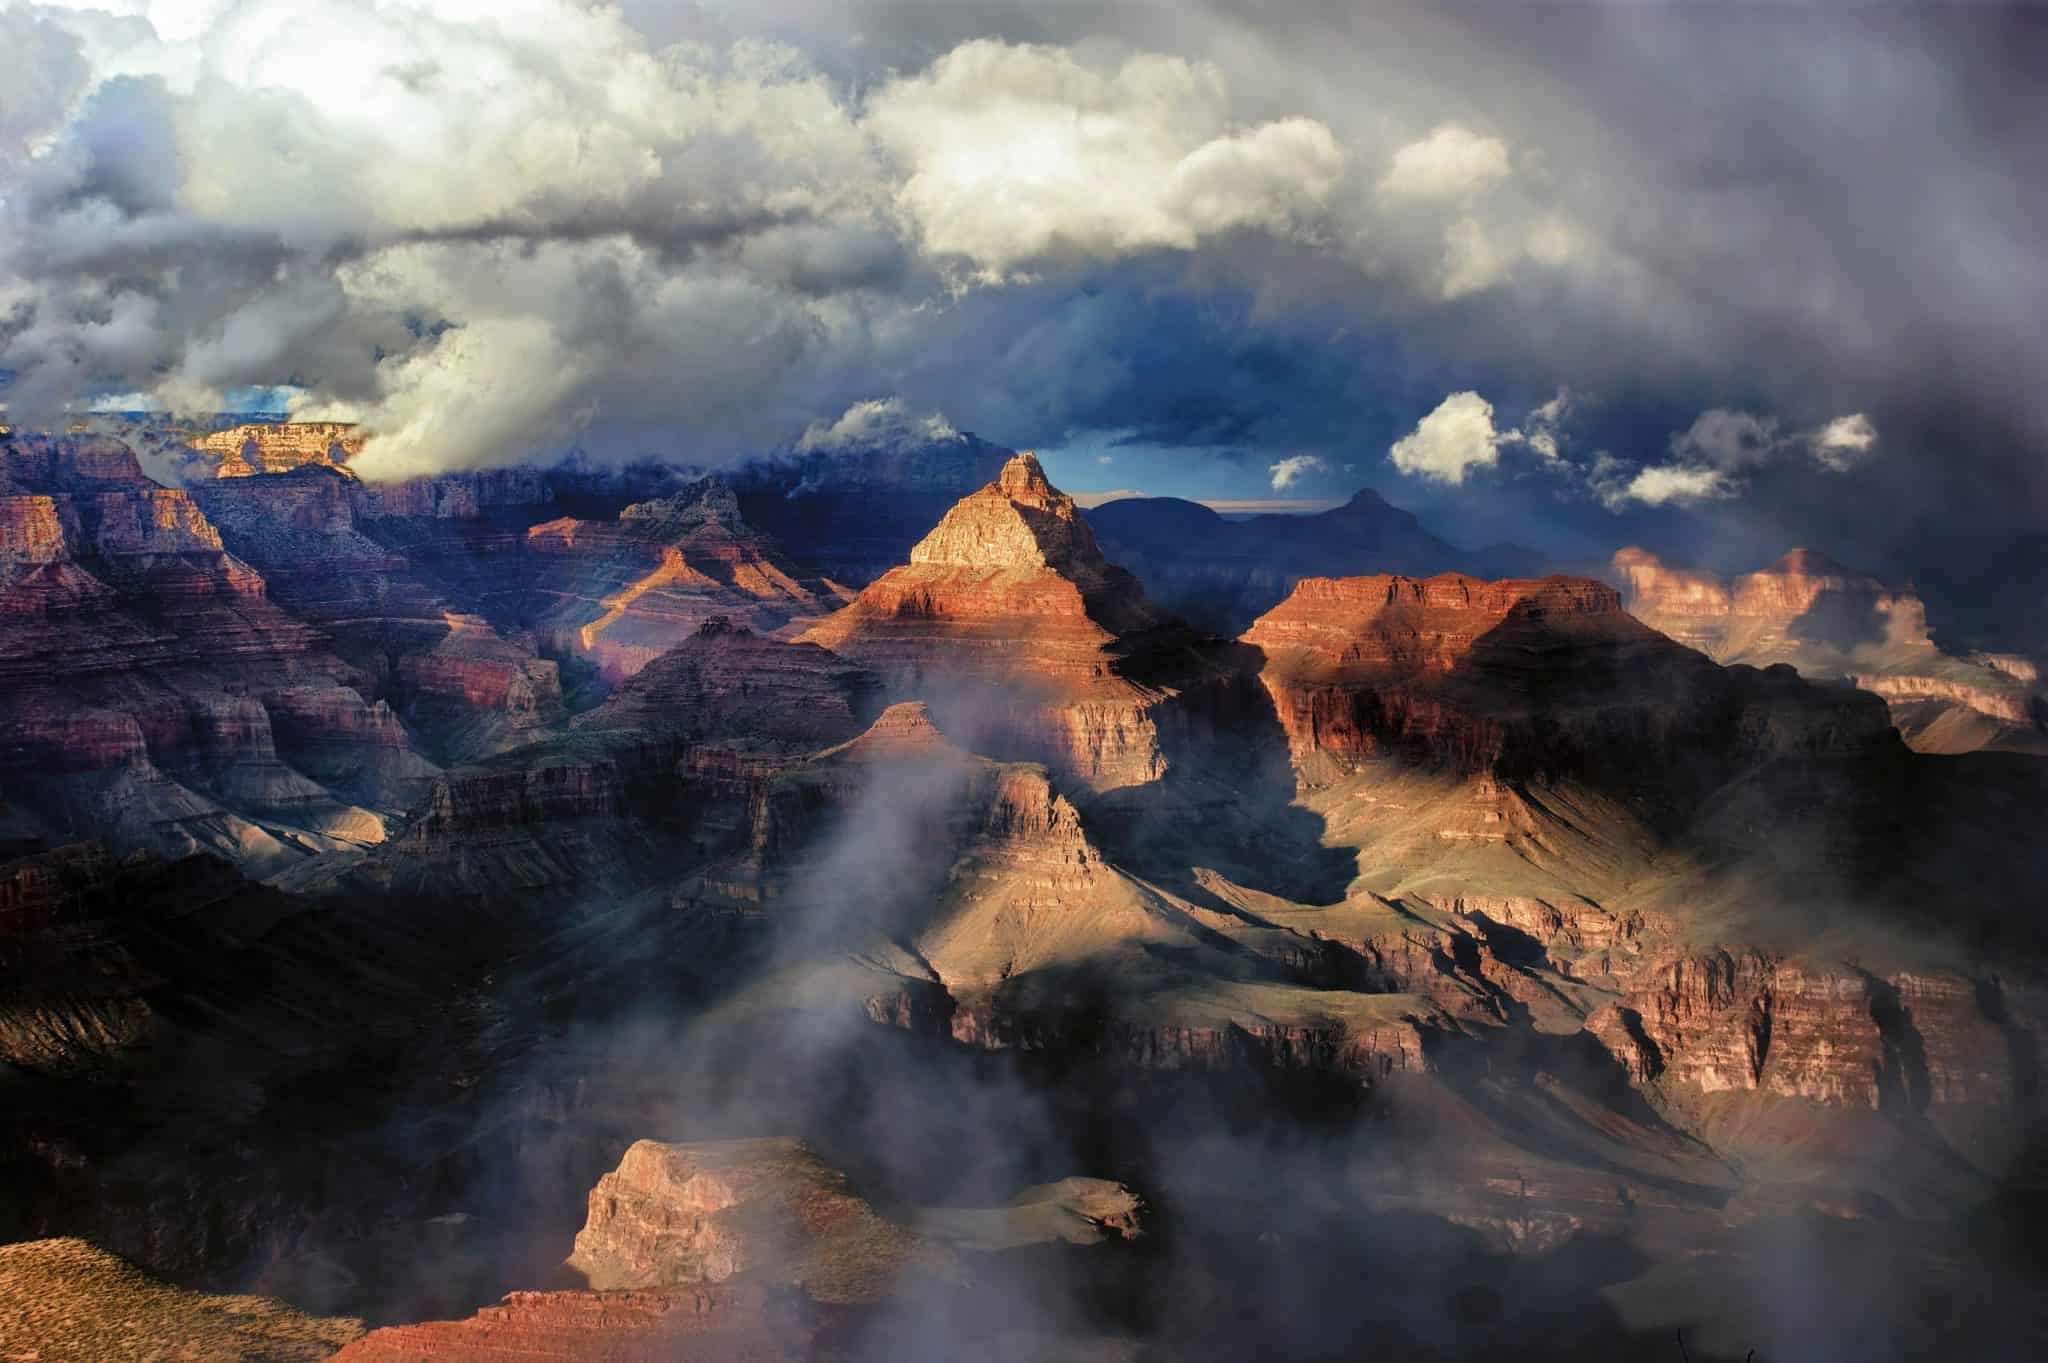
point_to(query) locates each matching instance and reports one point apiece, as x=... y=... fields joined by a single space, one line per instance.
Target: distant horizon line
x=1222 y=506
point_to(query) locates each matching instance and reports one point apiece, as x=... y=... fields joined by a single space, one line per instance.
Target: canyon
x=139 y=660
x=531 y=915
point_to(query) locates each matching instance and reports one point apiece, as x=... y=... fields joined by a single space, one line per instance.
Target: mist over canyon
x=1461 y=965
x=572 y=790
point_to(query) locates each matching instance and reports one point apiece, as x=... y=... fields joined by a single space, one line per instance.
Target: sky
x=1719 y=279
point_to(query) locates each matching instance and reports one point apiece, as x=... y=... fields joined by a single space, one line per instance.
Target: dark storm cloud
x=1800 y=211
x=1803 y=213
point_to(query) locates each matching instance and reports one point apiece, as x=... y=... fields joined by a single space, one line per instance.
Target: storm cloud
x=1205 y=228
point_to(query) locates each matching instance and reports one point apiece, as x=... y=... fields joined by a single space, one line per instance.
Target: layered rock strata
x=654 y=1325
x=138 y=665
x=767 y=1209
x=1753 y=1021
x=1009 y=621
x=726 y=681
x=466 y=687
x=388 y=566
x=274 y=447
x=1019 y=933
x=1528 y=679
x=623 y=592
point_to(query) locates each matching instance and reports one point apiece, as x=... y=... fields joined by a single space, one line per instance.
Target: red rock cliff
x=1526 y=678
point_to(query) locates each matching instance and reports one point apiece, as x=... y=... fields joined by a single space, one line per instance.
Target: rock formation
x=463 y=686
x=1525 y=679
x=622 y=593
x=1011 y=570
x=1077 y=1211
x=767 y=1209
x=1603 y=941
x=856 y=509
x=135 y=665
x=254 y=449
x=657 y=1325
x=1019 y=933
x=273 y=447
x=1489 y=748
x=1751 y=1021
x=725 y=681
x=1011 y=623
x=750 y=1249
x=465 y=496
x=402 y=570
x=477 y=692
x=1832 y=623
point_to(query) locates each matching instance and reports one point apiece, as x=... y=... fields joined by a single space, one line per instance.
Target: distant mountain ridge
x=850 y=512
x=1222 y=574
x=854 y=512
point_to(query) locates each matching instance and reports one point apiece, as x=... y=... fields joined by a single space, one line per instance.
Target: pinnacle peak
x=1024 y=474
x=722 y=627
x=905 y=729
x=1019 y=521
x=708 y=500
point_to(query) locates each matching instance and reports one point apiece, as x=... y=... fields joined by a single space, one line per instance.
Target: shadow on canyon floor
x=1228 y=798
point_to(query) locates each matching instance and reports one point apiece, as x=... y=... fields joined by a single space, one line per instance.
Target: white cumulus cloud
x=1714 y=457
x=1295 y=467
x=504 y=383
x=1455 y=438
x=1014 y=156
x=1844 y=443
x=1671 y=483
x=877 y=422
x=704 y=244
x=513 y=211
x=1450 y=162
